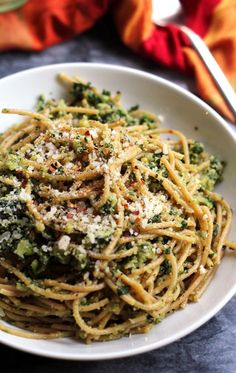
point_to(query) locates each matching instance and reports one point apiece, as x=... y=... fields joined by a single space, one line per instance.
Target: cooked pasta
x=108 y=222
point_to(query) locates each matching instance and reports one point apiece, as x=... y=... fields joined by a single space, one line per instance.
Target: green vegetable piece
x=165 y=268
x=155 y=161
x=133 y=108
x=104 y=236
x=110 y=205
x=39 y=265
x=145 y=119
x=122 y=290
x=93 y=99
x=34 y=265
x=24 y=248
x=184 y=223
x=155 y=219
x=214 y=174
x=197 y=147
x=195 y=151
x=167 y=250
x=13 y=162
x=79 y=89
x=82 y=259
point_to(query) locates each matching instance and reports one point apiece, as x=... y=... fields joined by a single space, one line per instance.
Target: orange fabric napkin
x=39 y=24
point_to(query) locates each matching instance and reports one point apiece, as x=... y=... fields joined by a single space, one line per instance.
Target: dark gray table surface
x=211 y=348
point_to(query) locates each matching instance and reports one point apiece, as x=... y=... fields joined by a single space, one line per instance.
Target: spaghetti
x=108 y=222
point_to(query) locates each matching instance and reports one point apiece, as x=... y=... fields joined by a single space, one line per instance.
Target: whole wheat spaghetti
x=107 y=221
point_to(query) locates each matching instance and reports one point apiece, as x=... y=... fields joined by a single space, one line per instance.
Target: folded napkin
x=39 y=24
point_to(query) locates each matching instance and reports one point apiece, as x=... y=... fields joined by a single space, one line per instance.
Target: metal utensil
x=170 y=12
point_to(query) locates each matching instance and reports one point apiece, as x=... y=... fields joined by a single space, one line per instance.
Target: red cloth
x=39 y=24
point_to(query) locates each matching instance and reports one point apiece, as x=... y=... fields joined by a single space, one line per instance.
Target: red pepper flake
x=24 y=183
x=142 y=181
x=69 y=215
x=87 y=133
x=137 y=220
x=126 y=206
x=136 y=212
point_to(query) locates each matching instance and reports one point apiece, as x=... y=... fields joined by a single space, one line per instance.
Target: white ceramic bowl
x=180 y=110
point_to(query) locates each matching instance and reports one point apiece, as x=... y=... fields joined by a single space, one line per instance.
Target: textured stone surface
x=212 y=348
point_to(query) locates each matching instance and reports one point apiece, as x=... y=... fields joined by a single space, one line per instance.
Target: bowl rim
x=206 y=317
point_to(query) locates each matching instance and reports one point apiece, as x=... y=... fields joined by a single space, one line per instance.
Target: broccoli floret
x=113 y=115
x=105 y=92
x=40 y=264
x=195 y=151
x=79 y=89
x=165 y=268
x=133 y=108
x=82 y=259
x=144 y=254
x=213 y=175
x=93 y=98
x=203 y=200
x=104 y=236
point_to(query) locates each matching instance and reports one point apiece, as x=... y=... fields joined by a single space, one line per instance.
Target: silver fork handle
x=213 y=68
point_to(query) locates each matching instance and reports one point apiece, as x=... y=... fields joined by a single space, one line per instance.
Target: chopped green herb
x=133 y=108
x=122 y=290
x=78 y=146
x=106 y=93
x=165 y=268
x=184 y=223
x=110 y=206
x=155 y=219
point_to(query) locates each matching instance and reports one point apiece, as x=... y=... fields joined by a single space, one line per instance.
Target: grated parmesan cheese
x=165 y=149
x=148 y=207
x=202 y=270
x=24 y=196
x=64 y=243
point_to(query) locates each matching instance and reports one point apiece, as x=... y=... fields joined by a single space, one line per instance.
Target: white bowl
x=180 y=110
